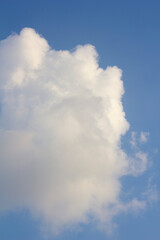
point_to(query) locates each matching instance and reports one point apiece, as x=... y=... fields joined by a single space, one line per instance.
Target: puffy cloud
x=61 y=124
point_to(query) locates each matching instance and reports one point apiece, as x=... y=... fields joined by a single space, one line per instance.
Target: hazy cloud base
x=61 y=123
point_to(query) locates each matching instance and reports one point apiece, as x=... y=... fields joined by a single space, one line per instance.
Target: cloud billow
x=61 y=123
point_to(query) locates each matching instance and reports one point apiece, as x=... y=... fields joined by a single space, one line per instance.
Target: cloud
x=151 y=193
x=138 y=139
x=133 y=141
x=144 y=137
x=61 y=124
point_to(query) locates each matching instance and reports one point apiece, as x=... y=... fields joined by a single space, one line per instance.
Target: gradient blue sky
x=125 y=34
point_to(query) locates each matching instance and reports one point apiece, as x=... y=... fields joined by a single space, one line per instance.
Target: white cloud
x=61 y=124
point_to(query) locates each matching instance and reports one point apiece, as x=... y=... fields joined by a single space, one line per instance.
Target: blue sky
x=125 y=34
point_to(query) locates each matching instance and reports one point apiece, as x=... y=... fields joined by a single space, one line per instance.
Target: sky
x=79 y=120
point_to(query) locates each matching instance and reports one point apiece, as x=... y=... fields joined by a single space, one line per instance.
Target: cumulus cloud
x=61 y=124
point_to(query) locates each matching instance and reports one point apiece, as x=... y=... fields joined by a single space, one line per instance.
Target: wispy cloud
x=137 y=139
x=133 y=140
x=144 y=137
